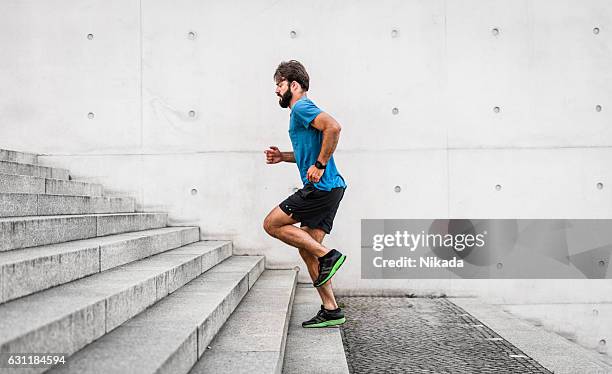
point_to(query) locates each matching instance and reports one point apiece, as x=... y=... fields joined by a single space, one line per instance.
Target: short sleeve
x=305 y=112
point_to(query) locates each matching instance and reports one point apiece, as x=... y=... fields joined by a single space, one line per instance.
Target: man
x=314 y=135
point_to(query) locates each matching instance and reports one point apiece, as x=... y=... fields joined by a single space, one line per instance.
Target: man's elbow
x=335 y=128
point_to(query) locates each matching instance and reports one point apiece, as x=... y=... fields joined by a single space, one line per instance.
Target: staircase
x=113 y=290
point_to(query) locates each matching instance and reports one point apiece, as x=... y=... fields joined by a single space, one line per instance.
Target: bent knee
x=269 y=226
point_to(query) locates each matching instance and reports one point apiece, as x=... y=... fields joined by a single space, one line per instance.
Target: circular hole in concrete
x=599 y=186
x=394 y=33
x=495 y=31
x=397 y=189
x=496 y=109
x=602 y=342
x=194 y=192
x=596 y=30
x=598 y=108
x=293 y=34
x=395 y=111
x=192 y=113
x=90 y=36
x=601 y=263
x=90 y=115
x=191 y=35
x=500 y=265
x=498 y=187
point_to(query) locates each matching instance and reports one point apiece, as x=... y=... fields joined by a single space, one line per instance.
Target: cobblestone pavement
x=424 y=335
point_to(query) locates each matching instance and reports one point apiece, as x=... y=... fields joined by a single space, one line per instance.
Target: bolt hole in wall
x=191 y=35
x=194 y=192
x=293 y=34
x=598 y=108
x=498 y=187
x=90 y=36
x=599 y=186
x=192 y=113
x=90 y=115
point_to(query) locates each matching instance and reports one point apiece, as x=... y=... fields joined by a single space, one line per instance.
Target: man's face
x=283 y=91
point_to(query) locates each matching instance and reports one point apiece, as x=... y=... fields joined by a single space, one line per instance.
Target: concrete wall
x=182 y=104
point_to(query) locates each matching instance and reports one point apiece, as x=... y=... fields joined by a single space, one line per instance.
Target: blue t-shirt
x=306 y=141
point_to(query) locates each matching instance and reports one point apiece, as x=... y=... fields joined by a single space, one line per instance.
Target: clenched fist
x=314 y=174
x=273 y=155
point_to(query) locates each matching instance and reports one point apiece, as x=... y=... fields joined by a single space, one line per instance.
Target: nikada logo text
x=458 y=242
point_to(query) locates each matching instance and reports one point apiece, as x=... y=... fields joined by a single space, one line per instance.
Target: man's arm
x=288 y=156
x=274 y=155
x=331 y=134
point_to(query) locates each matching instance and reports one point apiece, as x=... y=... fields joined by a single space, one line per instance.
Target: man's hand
x=314 y=174
x=273 y=155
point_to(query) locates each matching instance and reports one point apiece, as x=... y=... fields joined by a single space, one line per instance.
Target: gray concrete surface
x=253 y=338
x=551 y=350
x=14 y=205
x=21 y=157
x=28 y=270
x=19 y=205
x=21 y=184
x=15 y=168
x=68 y=317
x=312 y=350
x=185 y=321
x=34 y=185
x=62 y=187
x=23 y=232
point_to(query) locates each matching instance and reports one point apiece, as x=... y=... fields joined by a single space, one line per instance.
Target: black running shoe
x=328 y=265
x=325 y=318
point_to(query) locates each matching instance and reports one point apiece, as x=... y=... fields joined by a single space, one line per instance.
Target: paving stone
x=424 y=335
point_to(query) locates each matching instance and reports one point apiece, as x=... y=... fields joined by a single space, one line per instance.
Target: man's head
x=291 y=81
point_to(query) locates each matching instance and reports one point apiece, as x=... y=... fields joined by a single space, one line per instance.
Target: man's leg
x=325 y=292
x=279 y=225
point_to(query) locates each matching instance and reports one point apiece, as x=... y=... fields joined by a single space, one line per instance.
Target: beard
x=285 y=99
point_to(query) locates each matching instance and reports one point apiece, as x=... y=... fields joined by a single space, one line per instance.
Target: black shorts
x=313 y=207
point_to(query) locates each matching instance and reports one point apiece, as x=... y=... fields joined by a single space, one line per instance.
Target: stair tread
x=175 y=321
x=252 y=340
x=312 y=350
x=32 y=312
x=29 y=218
x=25 y=254
x=53 y=179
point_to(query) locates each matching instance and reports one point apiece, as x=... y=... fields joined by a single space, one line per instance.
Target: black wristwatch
x=319 y=165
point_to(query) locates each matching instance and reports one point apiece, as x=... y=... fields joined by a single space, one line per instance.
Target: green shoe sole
x=331 y=322
x=333 y=271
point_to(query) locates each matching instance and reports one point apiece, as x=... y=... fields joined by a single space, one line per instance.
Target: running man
x=314 y=135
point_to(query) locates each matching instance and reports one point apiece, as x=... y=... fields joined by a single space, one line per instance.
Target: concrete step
x=171 y=335
x=66 y=318
x=312 y=350
x=34 y=185
x=252 y=341
x=21 y=157
x=16 y=168
x=20 y=205
x=29 y=270
x=23 y=232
